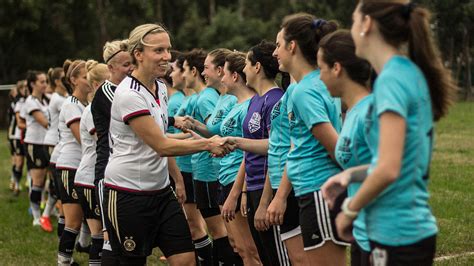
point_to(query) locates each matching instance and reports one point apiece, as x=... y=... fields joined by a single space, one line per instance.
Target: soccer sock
x=203 y=250
x=223 y=252
x=85 y=235
x=60 y=226
x=96 y=249
x=35 y=200
x=17 y=173
x=66 y=246
x=49 y=206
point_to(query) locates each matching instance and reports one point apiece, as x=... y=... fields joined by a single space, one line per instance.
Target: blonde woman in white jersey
x=36 y=116
x=136 y=177
x=84 y=180
x=70 y=155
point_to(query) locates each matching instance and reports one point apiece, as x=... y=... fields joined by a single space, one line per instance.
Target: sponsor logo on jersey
x=254 y=122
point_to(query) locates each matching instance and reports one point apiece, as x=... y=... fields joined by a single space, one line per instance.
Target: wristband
x=345 y=209
x=171 y=121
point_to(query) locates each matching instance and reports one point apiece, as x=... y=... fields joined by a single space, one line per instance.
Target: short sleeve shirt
x=35 y=131
x=85 y=172
x=52 y=135
x=134 y=166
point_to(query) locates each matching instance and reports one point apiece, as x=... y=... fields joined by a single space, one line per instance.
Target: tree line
x=37 y=34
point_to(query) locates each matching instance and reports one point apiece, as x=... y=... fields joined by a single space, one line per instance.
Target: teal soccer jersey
x=186 y=108
x=174 y=104
x=400 y=215
x=352 y=150
x=232 y=126
x=202 y=161
x=279 y=141
x=309 y=164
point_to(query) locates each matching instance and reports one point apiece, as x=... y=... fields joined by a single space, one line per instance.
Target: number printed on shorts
x=379 y=257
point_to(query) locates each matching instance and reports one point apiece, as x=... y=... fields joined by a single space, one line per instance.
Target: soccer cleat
x=46 y=224
x=36 y=222
x=82 y=249
x=12 y=185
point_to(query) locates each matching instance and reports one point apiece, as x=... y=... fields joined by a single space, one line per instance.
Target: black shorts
x=291 y=222
x=138 y=223
x=67 y=190
x=206 y=198
x=89 y=204
x=18 y=147
x=56 y=179
x=318 y=221
x=420 y=254
x=270 y=247
x=359 y=257
x=224 y=192
x=37 y=156
x=189 y=187
x=11 y=146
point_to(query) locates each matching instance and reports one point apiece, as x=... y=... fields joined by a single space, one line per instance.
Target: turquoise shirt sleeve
x=310 y=108
x=392 y=96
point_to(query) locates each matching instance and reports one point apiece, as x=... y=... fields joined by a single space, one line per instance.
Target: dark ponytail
x=31 y=77
x=263 y=53
x=339 y=47
x=401 y=23
x=307 y=32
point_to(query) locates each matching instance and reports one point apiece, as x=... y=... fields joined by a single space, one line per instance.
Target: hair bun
x=90 y=64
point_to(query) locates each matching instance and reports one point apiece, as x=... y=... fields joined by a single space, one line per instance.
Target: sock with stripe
x=61 y=226
x=96 y=249
x=66 y=246
x=84 y=235
x=35 y=201
x=223 y=253
x=203 y=248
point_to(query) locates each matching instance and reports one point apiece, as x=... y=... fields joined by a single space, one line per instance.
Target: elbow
x=391 y=171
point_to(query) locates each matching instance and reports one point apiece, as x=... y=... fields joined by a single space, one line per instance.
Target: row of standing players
x=282 y=151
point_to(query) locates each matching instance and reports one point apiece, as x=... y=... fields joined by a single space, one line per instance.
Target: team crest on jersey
x=292 y=120
x=344 y=154
x=276 y=110
x=97 y=210
x=129 y=244
x=228 y=127
x=254 y=123
x=74 y=194
x=219 y=116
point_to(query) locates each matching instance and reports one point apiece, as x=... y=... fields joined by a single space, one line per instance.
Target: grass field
x=452 y=191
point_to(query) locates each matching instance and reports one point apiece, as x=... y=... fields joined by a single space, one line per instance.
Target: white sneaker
x=36 y=222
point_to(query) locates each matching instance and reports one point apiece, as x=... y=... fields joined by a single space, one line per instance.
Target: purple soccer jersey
x=257 y=125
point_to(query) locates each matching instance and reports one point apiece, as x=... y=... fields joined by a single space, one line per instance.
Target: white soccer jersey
x=52 y=135
x=70 y=153
x=85 y=172
x=35 y=131
x=17 y=109
x=134 y=166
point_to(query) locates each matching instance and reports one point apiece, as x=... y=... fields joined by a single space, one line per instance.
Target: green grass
x=451 y=187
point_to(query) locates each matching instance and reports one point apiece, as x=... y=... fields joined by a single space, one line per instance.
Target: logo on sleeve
x=343 y=153
x=219 y=116
x=254 y=123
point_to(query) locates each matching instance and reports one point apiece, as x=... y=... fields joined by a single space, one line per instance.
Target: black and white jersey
x=100 y=109
x=134 y=166
x=12 y=123
x=52 y=135
x=85 y=172
x=35 y=131
x=70 y=153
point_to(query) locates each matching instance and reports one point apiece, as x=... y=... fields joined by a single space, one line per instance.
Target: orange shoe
x=46 y=224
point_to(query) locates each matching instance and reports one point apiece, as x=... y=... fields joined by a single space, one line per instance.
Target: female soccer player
x=256 y=126
x=119 y=62
x=51 y=140
x=411 y=91
x=70 y=155
x=142 y=209
x=346 y=76
x=36 y=117
x=315 y=119
x=234 y=80
x=84 y=180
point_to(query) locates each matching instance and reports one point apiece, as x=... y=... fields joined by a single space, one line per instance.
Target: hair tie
x=116 y=53
x=317 y=23
x=407 y=9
